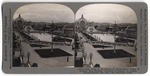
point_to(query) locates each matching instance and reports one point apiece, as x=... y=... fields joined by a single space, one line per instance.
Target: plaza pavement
x=108 y=63
x=48 y=62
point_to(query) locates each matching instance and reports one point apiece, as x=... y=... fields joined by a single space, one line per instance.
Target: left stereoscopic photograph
x=43 y=36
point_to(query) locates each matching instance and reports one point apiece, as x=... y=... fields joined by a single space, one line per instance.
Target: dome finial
x=82 y=16
x=19 y=16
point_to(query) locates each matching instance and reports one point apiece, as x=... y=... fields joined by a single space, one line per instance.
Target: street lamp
x=114 y=32
x=51 y=30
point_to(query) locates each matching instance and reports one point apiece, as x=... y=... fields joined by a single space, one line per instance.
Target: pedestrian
x=84 y=56
x=28 y=56
x=90 y=55
x=22 y=56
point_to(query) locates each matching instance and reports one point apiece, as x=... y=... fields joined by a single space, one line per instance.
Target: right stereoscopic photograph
x=105 y=36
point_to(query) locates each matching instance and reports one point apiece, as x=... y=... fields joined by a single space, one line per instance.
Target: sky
x=107 y=13
x=45 y=13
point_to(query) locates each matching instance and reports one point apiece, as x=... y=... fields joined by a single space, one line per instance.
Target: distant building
x=82 y=20
x=91 y=29
x=82 y=23
x=68 y=30
x=19 y=23
x=131 y=32
x=28 y=29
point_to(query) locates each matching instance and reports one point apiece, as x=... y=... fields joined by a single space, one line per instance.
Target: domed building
x=19 y=23
x=82 y=23
x=85 y=26
x=82 y=20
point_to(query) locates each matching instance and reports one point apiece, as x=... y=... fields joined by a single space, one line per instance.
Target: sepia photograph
x=43 y=36
x=97 y=35
x=75 y=37
x=105 y=36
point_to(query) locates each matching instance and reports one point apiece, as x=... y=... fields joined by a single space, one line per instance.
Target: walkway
x=116 y=62
x=47 y=62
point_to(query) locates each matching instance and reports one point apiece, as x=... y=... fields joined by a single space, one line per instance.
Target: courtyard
x=103 y=53
x=41 y=54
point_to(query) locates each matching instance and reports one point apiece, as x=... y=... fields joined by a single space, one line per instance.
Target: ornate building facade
x=19 y=23
x=82 y=24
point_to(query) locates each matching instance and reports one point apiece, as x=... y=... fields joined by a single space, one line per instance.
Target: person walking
x=84 y=56
x=91 y=56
